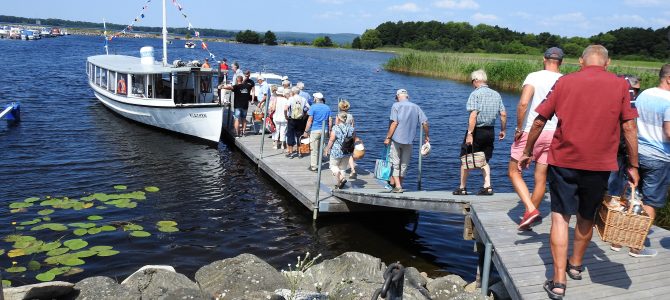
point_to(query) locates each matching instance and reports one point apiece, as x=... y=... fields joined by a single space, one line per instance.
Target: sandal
x=550 y=285
x=485 y=191
x=341 y=185
x=571 y=268
x=460 y=191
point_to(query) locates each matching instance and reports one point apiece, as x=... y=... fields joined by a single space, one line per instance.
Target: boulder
x=235 y=278
x=499 y=291
x=472 y=287
x=152 y=283
x=414 y=286
x=184 y=294
x=346 y=270
x=156 y=267
x=444 y=288
x=46 y=290
x=102 y=288
x=300 y=295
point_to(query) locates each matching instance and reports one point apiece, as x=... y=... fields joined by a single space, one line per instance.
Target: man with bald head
x=592 y=106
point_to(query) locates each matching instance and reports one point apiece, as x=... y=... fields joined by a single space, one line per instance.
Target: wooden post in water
x=318 y=170
x=418 y=184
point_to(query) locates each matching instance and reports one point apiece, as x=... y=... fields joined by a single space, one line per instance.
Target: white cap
x=295 y=89
x=284 y=78
x=401 y=92
x=317 y=95
x=260 y=77
x=280 y=90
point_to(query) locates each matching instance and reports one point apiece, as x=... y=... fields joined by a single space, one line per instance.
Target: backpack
x=348 y=143
x=297 y=111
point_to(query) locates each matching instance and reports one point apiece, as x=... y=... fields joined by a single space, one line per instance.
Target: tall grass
x=504 y=73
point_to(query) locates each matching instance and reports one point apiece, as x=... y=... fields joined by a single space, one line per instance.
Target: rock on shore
x=351 y=275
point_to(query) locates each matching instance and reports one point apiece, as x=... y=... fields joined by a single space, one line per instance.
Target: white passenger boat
x=178 y=97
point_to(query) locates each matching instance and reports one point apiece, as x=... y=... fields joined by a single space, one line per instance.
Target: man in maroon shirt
x=591 y=106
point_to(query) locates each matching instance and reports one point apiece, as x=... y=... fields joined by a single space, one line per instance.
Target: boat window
x=112 y=81
x=163 y=86
x=97 y=75
x=139 y=84
x=103 y=78
x=184 y=88
x=121 y=84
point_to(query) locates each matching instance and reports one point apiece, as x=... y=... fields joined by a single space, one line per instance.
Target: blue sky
x=567 y=18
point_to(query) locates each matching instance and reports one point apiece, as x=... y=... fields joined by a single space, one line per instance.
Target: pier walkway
x=522 y=259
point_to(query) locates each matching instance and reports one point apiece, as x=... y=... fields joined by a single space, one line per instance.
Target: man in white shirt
x=536 y=87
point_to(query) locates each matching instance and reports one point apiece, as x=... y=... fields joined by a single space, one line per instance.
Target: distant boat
x=15 y=33
x=55 y=31
x=179 y=97
x=45 y=32
x=189 y=45
x=4 y=32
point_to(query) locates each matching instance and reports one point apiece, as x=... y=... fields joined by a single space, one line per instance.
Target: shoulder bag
x=383 y=166
x=472 y=160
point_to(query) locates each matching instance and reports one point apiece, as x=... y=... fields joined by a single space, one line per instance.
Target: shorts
x=400 y=156
x=240 y=113
x=339 y=165
x=654 y=181
x=482 y=141
x=540 y=150
x=576 y=191
x=618 y=179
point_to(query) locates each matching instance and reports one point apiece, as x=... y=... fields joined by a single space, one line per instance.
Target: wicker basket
x=622 y=227
x=258 y=116
x=304 y=149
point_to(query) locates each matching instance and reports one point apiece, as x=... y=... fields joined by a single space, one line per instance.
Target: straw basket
x=304 y=148
x=622 y=227
x=258 y=115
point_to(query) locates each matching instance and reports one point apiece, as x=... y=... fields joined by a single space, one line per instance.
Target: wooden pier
x=522 y=258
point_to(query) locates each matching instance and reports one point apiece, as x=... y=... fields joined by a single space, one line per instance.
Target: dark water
x=69 y=145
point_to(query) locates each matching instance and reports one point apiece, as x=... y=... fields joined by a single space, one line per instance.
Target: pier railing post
x=265 y=116
x=488 y=248
x=318 y=170
x=418 y=184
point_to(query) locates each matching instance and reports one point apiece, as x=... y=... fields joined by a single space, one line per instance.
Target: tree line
x=624 y=43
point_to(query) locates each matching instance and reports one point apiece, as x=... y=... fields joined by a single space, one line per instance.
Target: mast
x=164 y=36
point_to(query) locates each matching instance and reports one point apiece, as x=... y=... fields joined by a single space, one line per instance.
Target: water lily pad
x=60 y=270
x=166 y=223
x=16 y=269
x=168 y=229
x=12 y=238
x=132 y=227
x=6 y=283
x=84 y=254
x=101 y=248
x=94 y=218
x=101 y=207
x=82 y=225
x=20 y=228
x=31 y=199
x=75 y=244
x=50 y=246
x=73 y=271
x=73 y=261
x=108 y=253
x=18 y=210
x=2 y=251
x=108 y=228
x=139 y=233
x=35 y=247
x=120 y=187
x=80 y=231
x=87 y=205
x=28 y=223
x=16 y=253
x=15 y=205
x=151 y=189
x=58 y=251
x=94 y=230
x=34 y=265
x=46 y=276
x=45 y=212
x=51 y=226
x=25 y=244
x=46 y=219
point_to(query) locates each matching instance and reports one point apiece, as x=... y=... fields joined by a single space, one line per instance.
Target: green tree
x=322 y=41
x=370 y=39
x=270 y=38
x=187 y=36
x=248 y=37
x=356 y=43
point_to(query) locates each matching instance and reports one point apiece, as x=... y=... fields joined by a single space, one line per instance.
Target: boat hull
x=204 y=122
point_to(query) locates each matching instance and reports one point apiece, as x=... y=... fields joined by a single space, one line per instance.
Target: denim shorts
x=240 y=113
x=576 y=191
x=654 y=181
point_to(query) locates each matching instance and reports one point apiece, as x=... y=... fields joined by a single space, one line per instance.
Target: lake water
x=68 y=144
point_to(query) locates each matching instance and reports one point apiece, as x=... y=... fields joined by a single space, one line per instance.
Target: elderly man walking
x=318 y=113
x=536 y=87
x=484 y=106
x=405 y=118
x=592 y=105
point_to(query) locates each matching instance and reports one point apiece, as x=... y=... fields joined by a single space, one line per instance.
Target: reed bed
x=503 y=73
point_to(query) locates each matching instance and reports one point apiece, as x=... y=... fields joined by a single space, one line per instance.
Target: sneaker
x=388 y=187
x=341 y=185
x=529 y=218
x=646 y=252
x=313 y=169
x=397 y=190
x=615 y=247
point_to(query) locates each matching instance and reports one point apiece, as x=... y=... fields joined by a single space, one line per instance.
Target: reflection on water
x=69 y=145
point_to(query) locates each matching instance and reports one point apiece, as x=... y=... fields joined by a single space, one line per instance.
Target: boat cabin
x=151 y=84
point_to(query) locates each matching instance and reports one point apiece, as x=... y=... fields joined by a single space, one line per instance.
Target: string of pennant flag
x=190 y=27
x=131 y=25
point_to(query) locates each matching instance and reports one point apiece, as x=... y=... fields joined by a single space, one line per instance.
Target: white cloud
x=483 y=18
x=407 y=7
x=644 y=3
x=575 y=19
x=457 y=4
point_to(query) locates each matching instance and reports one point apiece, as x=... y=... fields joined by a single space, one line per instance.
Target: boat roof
x=133 y=65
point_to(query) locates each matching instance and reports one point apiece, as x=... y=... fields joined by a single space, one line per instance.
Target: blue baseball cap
x=554 y=53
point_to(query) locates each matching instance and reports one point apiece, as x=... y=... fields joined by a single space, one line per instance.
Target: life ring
x=121 y=87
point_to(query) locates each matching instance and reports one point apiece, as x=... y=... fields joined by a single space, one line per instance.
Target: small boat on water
x=189 y=45
x=178 y=97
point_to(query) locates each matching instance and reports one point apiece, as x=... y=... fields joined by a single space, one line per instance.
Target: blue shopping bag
x=383 y=166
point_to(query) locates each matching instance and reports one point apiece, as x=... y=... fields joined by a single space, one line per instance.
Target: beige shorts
x=339 y=165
